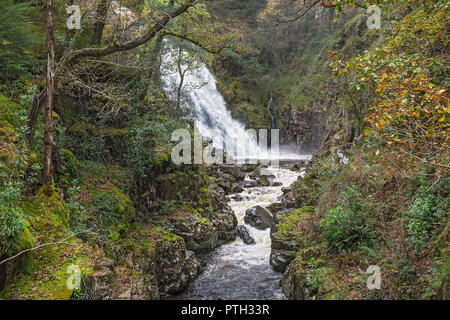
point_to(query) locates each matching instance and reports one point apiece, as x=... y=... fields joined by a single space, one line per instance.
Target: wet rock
x=288 y=200
x=297 y=166
x=225 y=222
x=250 y=183
x=261 y=171
x=228 y=177
x=242 y=232
x=236 y=188
x=264 y=181
x=176 y=266
x=259 y=217
x=248 y=167
x=199 y=234
x=232 y=170
x=294 y=285
x=239 y=197
x=280 y=259
x=225 y=185
x=253 y=176
x=276 y=184
x=288 y=235
x=283 y=251
x=275 y=207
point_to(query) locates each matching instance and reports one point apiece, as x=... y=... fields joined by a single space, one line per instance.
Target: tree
x=160 y=22
x=50 y=86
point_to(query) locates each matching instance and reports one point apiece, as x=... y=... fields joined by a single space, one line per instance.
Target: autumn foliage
x=410 y=103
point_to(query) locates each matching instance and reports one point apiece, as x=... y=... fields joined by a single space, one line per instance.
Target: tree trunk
x=102 y=12
x=48 y=127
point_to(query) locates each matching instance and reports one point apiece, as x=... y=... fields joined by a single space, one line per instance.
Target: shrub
x=422 y=216
x=12 y=221
x=346 y=227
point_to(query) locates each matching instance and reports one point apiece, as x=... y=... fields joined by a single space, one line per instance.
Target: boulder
x=248 y=167
x=280 y=259
x=259 y=217
x=232 y=170
x=261 y=171
x=275 y=207
x=228 y=177
x=199 y=233
x=225 y=185
x=236 y=188
x=264 y=181
x=225 y=222
x=250 y=183
x=288 y=200
x=294 y=284
x=242 y=232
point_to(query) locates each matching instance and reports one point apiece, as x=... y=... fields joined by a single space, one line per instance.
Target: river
x=239 y=271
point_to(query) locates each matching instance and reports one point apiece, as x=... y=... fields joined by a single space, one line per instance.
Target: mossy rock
x=9 y=111
x=24 y=240
x=93 y=173
x=47 y=273
x=292 y=226
x=110 y=210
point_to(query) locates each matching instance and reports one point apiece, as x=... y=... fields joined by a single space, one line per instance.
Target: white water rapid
x=236 y=271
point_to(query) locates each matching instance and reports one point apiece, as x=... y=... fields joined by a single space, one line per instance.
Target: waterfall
x=269 y=109
x=212 y=118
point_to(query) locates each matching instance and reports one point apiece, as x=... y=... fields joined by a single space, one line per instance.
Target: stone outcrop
x=287 y=236
x=242 y=232
x=259 y=217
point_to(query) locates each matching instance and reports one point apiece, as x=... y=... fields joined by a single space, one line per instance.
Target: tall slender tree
x=50 y=86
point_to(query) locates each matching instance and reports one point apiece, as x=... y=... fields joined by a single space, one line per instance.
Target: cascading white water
x=212 y=119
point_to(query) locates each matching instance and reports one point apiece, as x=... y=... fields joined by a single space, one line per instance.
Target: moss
x=110 y=209
x=46 y=277
x=25 y=239
x=292 y=225
x=171 y=237
x=7 y=131
x=105 y=132
x=9 y=111
x=32 y=158
x=205 y=221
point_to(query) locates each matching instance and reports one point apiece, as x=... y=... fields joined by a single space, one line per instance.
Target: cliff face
x=291 y=61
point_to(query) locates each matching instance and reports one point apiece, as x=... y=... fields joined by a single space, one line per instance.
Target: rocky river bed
x=238 y=270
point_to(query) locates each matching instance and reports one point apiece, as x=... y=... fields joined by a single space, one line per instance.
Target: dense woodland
x=86 y=176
